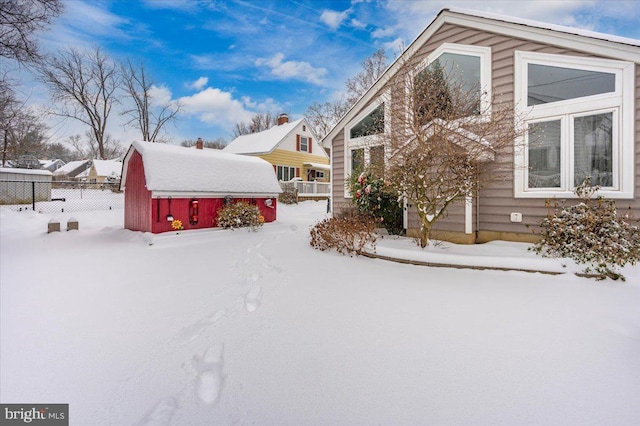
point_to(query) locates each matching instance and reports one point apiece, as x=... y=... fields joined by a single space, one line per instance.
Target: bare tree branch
x=19 y=20
x=83 y=87
x=148 y=115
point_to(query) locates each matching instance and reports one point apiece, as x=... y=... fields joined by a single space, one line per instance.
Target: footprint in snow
x=252 y=299
x=161 y=414
x=193 y=331
x=209 y=383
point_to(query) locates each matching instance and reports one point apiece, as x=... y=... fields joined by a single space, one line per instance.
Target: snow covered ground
x=238 y=327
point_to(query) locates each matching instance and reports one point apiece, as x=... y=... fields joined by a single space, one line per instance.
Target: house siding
x=496 y=202
x=280 y=157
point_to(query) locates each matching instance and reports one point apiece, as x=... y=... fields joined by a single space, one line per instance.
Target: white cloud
x=198 y=84
x=161 y=95
x=355 y=23
x=216 y=107
x=333 y=18
x=383 y=32
x=395 y=46
x=285 y=70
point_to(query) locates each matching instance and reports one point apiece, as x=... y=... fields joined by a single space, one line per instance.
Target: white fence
x=307 y=188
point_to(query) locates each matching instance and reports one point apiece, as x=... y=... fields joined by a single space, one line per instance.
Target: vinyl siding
x=496 y=202
x=280 y=157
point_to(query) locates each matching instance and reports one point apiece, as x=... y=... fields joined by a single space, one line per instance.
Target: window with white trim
x=285 y=173
x=363 y=134
x=579 y=124
x=304 y=144
x=457 y=70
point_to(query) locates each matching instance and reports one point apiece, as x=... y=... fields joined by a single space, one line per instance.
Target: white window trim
x=364 y=141
x=307 y=138
x=621 y=102
x=484 y=53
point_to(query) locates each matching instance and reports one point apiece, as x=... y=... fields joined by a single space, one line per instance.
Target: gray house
x=582 y=87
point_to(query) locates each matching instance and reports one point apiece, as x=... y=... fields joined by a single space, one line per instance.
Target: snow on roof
x=180 y=169
x=69 y=167
x=108 y=167
x=544 y=25
x=261 y=142
x=25 y=171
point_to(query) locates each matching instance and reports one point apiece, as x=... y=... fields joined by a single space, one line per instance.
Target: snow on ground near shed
x=238 y=327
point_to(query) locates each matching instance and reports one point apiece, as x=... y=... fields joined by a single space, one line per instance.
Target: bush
x=373 y=196
x=590 y=233
x=239 y=215
x=288 y=196
x=349 y=234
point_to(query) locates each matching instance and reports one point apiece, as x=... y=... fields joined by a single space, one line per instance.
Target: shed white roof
x=172 y=168
x=261 y=142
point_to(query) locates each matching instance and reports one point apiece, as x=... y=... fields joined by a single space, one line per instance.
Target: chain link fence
x=59 y=197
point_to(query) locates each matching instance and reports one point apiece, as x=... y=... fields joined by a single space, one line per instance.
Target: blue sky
x=226 y=60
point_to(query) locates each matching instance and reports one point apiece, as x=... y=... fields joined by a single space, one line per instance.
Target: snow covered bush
x=288 y=196
x=349 y=234
x=373 y=196
x=590 y=233
x=240 y=215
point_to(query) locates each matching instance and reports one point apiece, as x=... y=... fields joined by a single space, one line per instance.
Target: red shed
x=165 y=182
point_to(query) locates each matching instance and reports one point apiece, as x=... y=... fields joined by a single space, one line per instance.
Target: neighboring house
x=582 y=88
x=72 y=170
x=52 y=165
x=163 y=182
x=102 y=171
x=292 y=148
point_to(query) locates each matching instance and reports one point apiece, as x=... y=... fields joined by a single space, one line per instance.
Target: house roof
x=70 y=167
x=173 y=168
x=261 y=142
x=107 y=167
x=605 y=45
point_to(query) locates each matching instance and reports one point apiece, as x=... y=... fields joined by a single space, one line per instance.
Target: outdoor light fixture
x=169 y=216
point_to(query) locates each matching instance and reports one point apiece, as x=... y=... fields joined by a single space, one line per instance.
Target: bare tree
x=24 y=134
x=88 y=147
x=372 y=69
x=322 y=117
x=83 y=87
x=19 y=21
x=217 y=143
x=442 y=136
x=259 y=122
x=149 y=114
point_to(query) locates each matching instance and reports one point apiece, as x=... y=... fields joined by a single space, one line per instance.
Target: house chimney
x=199 y=144
x=283 y=118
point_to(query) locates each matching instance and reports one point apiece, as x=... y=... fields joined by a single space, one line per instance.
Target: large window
x=370 y=124
x=579 y=124
x=453 y=82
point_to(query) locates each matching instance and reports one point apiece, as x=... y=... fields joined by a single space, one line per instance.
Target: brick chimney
x=199 y=144
x=283 y=118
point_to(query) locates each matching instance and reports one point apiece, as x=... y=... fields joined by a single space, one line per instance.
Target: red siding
x=137 y=199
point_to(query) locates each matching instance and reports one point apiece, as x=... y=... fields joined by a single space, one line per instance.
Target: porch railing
x=307 y=188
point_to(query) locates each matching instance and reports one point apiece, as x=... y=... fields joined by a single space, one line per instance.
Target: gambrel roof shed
x=170 y=169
